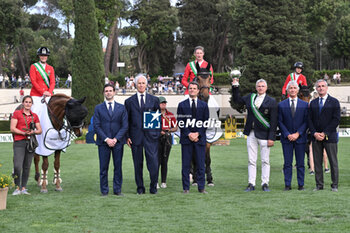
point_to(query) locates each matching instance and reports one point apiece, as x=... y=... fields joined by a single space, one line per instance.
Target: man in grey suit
x=324 y=118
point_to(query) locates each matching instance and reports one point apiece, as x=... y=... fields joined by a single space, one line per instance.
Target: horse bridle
x=69 y=128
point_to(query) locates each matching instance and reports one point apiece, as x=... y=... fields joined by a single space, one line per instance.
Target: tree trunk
x=107 y=60
x=115 y=50
x=68 y=33
x=221 y=50
x=23 y=69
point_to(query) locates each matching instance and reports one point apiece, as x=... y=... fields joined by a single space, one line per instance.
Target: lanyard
x=25 y=120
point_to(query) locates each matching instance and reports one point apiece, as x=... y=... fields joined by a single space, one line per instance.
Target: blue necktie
x=194 y=111
x=110 y=110
x=321 y=104
x=142 y=102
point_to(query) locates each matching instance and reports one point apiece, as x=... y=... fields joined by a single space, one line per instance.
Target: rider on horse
x=42 y=76
x=296 y=76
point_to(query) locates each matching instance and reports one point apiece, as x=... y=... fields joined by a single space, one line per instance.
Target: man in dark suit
x=260 y=128
x=110 y=125
x=191 y=115
x=324 y=118
x=292 y=121
x=140 y=138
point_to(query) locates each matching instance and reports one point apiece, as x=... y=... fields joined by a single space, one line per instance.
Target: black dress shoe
x=317 y=189
x=265 y=188
x=249 y=188
x=287 y=188
x=118 y=194
x=203 y=191
x=301 y=188
x=104 y=194
x=186 y=191
x=140 y=193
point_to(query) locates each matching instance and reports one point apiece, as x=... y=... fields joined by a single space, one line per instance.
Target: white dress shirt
x=139 y=97
x=295 y=102
x=106 y=102
x=259 y=99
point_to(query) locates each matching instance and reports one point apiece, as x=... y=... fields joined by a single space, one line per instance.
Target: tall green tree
x=153 y=23
x=87 y=56
x=270 y=41
x=207 y=23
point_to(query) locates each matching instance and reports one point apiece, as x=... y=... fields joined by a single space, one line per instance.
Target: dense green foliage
x=87 y=56
x=226 y=208
x=153 y=23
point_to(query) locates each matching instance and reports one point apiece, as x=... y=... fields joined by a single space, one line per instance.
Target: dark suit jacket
x=268 y=109
x=327 y=121
x=184 y=113
x=135 y=118
x=106 y=126
x=288 y=124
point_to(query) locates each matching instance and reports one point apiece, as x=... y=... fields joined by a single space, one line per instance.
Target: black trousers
x=164 y=147
x=332 y=150
x=22 y=160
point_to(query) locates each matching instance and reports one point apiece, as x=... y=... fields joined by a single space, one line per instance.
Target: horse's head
x=75 y=113
x=203 y=79
x=304 y=93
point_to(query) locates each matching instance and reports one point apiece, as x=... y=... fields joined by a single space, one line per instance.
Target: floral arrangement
x=6 y=180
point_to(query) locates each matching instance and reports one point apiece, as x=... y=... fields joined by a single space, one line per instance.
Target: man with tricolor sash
x=191 y=70
x=296 y=76
x=260 y=129
x=42 y=76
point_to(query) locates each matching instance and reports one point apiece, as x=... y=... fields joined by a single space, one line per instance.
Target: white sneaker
x=163 y=185
x=157 y=186
x=194 y=184
x=16 y=192
x=25 y=191
x=211 y=184
x=191 y=178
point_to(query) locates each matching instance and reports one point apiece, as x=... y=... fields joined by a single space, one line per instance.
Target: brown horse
x=203 y=79
x=60 y=107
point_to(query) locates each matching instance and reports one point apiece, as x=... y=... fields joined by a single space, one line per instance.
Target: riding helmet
x=299 y=64
x=43 y=51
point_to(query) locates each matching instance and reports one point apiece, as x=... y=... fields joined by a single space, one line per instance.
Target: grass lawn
x=80 y=208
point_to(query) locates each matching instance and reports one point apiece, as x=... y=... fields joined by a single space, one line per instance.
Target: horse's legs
x=207 y=164
x=37 y=171
x=57 y=179
x=44 y=168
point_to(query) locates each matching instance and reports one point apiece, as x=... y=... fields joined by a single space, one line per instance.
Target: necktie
x=292 y=107
x=110 y=110
x=193 y=109
x=142 y=102
x=321 y=104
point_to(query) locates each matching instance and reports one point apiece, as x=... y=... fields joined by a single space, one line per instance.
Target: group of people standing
x=116 y=124
x=295 y=118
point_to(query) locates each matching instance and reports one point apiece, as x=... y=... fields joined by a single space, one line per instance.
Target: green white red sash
x=43 y=73
x=193 y=68
x=265 y=122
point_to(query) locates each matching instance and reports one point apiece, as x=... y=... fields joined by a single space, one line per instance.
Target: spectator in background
x=13 y=81
x=106 y=80
x=26 y=80
x=335 y=78
x=57 y=81
x=19 y=81
x=338 y=78
x=68 y=81
x=1 y=80
x=7 y=81
x=326 y=78
x=117 y=86
x=21 y=94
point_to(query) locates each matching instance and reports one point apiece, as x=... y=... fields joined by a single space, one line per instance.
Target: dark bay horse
x=203 y=79
x=60 y=108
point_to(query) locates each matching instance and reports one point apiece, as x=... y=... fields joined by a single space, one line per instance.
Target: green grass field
x=80 y=208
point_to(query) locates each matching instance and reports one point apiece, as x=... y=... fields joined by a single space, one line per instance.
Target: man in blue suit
x=324 y=118
x=110 y=124
x=191 y=115
x=292 y=121
x=139 y=138
x=260 y=129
